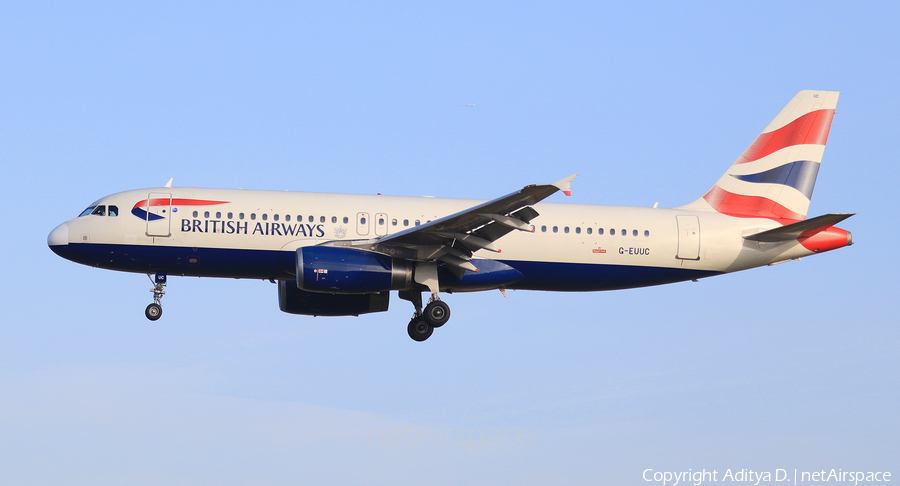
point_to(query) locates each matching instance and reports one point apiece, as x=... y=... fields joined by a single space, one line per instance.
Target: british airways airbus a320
x=342 y=255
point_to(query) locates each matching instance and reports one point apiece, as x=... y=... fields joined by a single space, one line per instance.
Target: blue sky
x=793 y=366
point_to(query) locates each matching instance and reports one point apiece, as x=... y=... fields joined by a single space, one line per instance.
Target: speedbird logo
x=141 y=208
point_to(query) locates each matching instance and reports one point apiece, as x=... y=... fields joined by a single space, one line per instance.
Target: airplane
x=343 y=255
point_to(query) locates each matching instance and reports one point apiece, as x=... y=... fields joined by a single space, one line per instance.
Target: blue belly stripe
x=279 y=265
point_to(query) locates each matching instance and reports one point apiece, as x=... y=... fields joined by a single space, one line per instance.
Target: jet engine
x=295 y=301
x=349 y=271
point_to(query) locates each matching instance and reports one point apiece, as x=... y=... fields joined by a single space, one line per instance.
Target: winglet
x=565 y=185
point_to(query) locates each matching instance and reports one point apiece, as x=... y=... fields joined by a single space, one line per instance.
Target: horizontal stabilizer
x=803 y=228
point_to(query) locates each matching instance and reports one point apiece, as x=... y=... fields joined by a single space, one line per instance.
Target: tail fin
x=774 y=177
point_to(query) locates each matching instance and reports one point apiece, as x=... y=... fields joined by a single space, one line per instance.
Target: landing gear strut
x=423 y=324
x=154 y=310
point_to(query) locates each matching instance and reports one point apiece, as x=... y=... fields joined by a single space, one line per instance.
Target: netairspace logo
x=749 y=476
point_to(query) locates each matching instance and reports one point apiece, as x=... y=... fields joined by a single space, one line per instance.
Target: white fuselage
x=249 y=226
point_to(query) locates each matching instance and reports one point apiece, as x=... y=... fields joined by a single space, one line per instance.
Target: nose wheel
x=154 y=310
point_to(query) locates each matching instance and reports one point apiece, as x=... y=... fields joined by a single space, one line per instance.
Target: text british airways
x=244 y=228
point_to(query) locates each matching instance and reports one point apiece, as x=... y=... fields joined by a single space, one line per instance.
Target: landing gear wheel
x=418 y=329
x=153 y=311
x=437 y=313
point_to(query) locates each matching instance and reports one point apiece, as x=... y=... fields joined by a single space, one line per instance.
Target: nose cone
x=59 y=236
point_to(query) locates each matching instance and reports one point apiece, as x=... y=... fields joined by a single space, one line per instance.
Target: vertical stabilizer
x=775 y=176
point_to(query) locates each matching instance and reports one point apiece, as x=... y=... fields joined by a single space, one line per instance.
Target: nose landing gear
x=154 y=310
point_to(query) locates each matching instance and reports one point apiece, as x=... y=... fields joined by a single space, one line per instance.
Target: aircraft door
x=159 y=209
x=381 y=225
x=688 y=237
x=362 y=224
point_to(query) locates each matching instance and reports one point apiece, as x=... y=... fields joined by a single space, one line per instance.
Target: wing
x=454 y=238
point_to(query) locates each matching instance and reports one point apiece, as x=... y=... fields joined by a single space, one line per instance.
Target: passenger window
x=287 y=217
x=556 y=229
x=99 y=211
x=362 y=220
x=393 y=222
x=275 y=217
x=253 y=216
x=578 y=230
x=321 y=219
x=299 y=218
x=241 y=216
x=624 y=232
x=612 y=232
x=218 y=215
x=113 y=210
x=417 y=222
x=646 y=232
x=380 y=221
x=206 y=214
x=599 y=231
x=543 y=229
x=589 y=230
x=405 y=222
x=334 y=219
x=634 y=233
x=311 y=219
x=566 y=230
x=346 y=220
x=230 y=215
x=265 y=217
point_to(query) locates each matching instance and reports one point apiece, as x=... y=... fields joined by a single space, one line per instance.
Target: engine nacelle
x=295 y=301
x=348 y=271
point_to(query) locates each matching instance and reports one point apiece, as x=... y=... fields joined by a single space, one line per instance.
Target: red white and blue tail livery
x=775 y=176
x=342 y=255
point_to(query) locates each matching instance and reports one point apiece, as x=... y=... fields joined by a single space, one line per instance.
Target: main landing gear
x=423 y=323
x=154 y=310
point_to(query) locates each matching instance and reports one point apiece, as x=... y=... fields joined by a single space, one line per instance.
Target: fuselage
x=255 y=234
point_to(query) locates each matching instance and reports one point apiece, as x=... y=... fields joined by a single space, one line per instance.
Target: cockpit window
x=100 y=211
